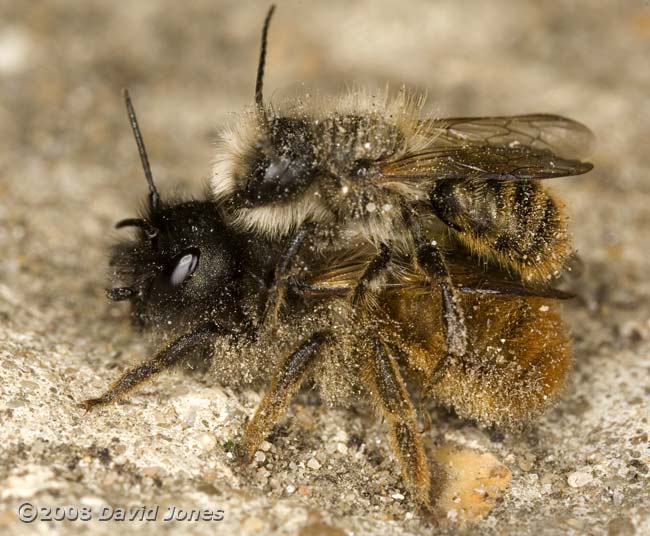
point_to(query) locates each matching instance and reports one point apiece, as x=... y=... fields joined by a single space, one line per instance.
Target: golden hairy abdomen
x=518 y=225
x=517 y=360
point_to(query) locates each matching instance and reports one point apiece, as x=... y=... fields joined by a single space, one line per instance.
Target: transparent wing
x=535 y=146
x=339 y=276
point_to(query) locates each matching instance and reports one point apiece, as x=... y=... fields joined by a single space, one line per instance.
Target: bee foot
x=90 y=404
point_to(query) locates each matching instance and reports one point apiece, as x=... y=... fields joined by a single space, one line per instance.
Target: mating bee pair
x=380 y=242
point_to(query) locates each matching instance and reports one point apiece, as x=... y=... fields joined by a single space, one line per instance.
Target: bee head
x=281 y=164
x=282 y=161
x=275 y=157
x=182 y=264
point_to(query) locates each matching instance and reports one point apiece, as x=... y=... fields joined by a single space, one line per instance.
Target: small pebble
x=207 y=441
x=151 y=471
x=342 y=448
x=263 y=472
x=291 y=489
x=265 y=446
x=260 y=457
x=397 y=496
x=314 y=464
x=110 y=479
x=94 y=502
x=253 y=524
x=577 y=479
x=617 y=498
x=189 y=417
x=526 y=462
x=120 y=460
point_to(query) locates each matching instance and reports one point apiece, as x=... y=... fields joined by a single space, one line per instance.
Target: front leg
x=287 y=382
x=371 y=276
x=278 y=290
x=165 y=359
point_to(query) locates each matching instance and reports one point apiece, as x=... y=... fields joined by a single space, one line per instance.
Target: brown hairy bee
x=431 y=248
x=366 y=168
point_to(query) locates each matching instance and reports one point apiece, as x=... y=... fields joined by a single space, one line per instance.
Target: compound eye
x=183 y=266
x=276 y=169
x=361 y=168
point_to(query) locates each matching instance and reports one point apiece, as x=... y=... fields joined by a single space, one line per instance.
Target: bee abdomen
x=516 y=370
x=532 y=237
x=517 y=361
x=516 y=224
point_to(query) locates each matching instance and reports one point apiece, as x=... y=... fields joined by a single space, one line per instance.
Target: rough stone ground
x=68 y=171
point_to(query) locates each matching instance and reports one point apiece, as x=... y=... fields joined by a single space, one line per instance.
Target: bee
x=447 y=290
x=374 y=169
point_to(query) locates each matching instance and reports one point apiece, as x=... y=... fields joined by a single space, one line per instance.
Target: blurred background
x=69 y=169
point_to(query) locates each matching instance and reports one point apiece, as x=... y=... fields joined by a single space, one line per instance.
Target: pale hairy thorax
x=357 y=126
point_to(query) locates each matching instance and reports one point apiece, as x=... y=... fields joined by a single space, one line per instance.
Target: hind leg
x=393 y=401
x=431 y=261
x=518 y=364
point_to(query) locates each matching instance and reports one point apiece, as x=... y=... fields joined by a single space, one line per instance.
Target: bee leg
x=286 y=383
x=431 y=260
x=165 y=359
x=375 y=269
x=277 y=291
x=392 y=398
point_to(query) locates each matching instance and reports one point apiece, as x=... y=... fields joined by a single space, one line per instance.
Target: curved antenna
x=154 y=197
x=141 y=223
x=259 y=83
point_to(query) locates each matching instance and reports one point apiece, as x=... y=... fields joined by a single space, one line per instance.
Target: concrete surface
x=68 y=171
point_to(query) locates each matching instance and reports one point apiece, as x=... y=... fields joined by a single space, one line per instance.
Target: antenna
x=260 y=66
x=154 y=197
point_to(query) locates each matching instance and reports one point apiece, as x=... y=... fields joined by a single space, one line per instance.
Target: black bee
x=371 y=168
x=186 y=273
